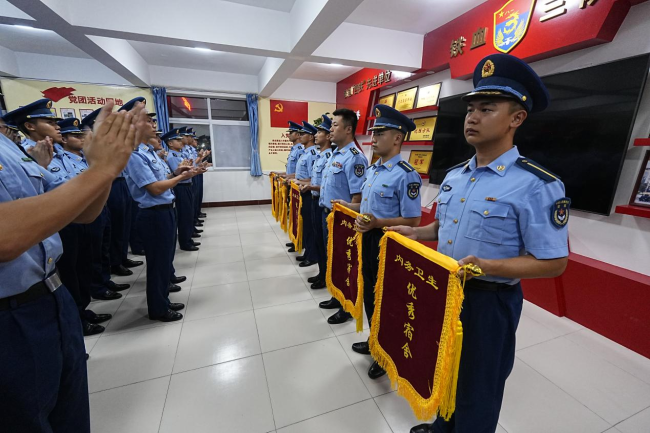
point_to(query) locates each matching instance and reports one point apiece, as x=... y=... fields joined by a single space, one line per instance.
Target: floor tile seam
x=266 y=278
x=565 y=392
x=162 y=413
x=218 y=315
x=631 y=416
x=383 y=416
x=129 y=384
x=545 y=326
x=123 y=298
x=176 y=373
x=153 y=325
x=295 y=345
x=592 y=352
x=325 y=413
x=266 y=378
x=353 y=366
x=278 y=305
x=224 y=284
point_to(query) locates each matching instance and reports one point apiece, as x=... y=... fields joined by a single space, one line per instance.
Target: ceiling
x=254 y=45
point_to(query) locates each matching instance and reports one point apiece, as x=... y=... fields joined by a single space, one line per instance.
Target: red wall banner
x=359 y=102
x=284 y=111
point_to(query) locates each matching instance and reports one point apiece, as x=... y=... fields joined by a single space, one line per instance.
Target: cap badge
x=75 y=123
x=488 y=69
x=49 y=104
x=377 y=112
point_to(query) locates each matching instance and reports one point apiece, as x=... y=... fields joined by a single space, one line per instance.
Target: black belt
x=183 y=184
x=38 y=290
x=161 y=207
x=489 y=286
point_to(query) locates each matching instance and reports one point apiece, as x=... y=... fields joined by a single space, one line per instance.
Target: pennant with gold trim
x=295 y=218
x=274 y=196
x=418 y=299
x=344 y=278
x=284 y=198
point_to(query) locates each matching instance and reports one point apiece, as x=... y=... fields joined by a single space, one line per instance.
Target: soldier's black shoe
x=203 y=215
x=300 y=258
x=192 y=248
x=92 y=317
x=112 y=285
x=375 y=371
x=169 y=316
x=198 y=231
x=128 y=263
x=196 y=235
x=177 y=280
x=108 y=295
x=173 y=288
x=362 y=348
x=92 y=329
x=330 y=304
x=318 y=285
x=339 y=317
x=422 y=428
x=289 y=244
x=291 y=250
x=121 y=271
x=306 y=263
x=176 y=306
x=315 y=279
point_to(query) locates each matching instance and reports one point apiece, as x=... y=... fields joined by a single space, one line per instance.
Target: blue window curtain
x=160 y=105
x=256 y=165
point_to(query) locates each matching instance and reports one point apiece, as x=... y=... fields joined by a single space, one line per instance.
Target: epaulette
x=537 y=169
x=313 y=152
x=405 y=166
x=459 y=165
x=354 y=151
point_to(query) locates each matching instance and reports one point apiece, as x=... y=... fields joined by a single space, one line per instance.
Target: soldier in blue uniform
x=390 y=197
x=343 y=179
x=322 y=140
x=8 y=128
x=506 y=214
x=302 y=177
x=183 y=191
x=43 y=374
x=151 y=187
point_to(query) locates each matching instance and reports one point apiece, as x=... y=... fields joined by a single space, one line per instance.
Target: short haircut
x=21 y=125
x=349 y=117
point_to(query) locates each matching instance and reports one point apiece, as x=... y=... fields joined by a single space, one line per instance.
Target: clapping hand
x=162 y=154
x=42 y=152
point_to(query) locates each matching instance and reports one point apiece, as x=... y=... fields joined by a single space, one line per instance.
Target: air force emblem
x=511 y=23
x=359 y=170
x=560 y=212
x=413 y=190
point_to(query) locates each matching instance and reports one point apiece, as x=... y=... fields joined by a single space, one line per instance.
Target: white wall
x=71 y=69
x=306 y=90
x=620 y=240
x=219 y=186
x=193 y=79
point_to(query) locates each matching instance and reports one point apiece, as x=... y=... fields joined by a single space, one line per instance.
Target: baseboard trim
x=235 y=203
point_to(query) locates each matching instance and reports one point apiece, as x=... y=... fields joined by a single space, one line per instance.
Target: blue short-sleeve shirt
x=144 y=168
x=343 y=176
x=292 y=161
x=317 y=170
x=391 y=190
x=500 y=211
x=174 y=158
x=306 y=163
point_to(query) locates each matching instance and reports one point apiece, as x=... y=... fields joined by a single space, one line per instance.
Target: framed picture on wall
x=406 y=99
x=68 y=113
x=388 y=100
x=428 y=95
x=641 y=193
x=421 y=160
x=83 y=112
x=424 y=129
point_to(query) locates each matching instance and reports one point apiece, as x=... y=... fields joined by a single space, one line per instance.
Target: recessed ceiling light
x=431 y=72
x=25 y=27
x=205 y=50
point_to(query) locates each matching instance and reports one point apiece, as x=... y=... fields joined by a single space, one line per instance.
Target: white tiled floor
x=254 y=354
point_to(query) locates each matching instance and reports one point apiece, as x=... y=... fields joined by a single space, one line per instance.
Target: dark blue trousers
x=186 y=213
x=157 y=229
x=43 y=379
x=196 y=193
x=308 y=240
x=119 y=203
x=134 y=237
x=321 y=248
x=74 y=265
x=490 y=320
x=99 y=240
x=198 y=200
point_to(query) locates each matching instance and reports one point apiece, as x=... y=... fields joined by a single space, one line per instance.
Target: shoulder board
x=313 y=152
x=405 y=166
x=459 y=165
x=537 y=169
x=354 y=151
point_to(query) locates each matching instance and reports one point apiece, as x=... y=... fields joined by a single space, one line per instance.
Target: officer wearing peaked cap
x=390 y=196
x=303 y=177
x=322 y=140
x=8 y=128
x=297 y=150
x=505 y=214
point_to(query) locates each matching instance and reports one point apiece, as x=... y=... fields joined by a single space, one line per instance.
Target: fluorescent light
x=400 y=75
x=338 y=65
x=207 y=50
x=25 y=27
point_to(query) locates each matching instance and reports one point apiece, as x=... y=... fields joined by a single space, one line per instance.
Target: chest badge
x=55 y=169
x=560 y=212
x=446 y=188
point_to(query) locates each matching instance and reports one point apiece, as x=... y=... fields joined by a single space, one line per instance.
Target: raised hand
x=42 y=152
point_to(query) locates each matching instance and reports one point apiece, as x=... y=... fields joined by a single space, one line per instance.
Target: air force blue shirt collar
x=499 y=165
x=344 y=149
x=390 y=164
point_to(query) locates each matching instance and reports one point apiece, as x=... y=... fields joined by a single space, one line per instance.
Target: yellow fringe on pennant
x=356 y=309
x=283 y=206
x=297 y=239
x=274 y=198
x=443 y=393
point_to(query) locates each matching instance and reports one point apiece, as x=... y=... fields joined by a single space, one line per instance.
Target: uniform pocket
x=339 y=176
x=382 y=200
x=34 y=173
x=487 y=221
x=443 y=204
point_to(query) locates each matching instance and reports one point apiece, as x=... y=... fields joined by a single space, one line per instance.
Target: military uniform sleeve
x=544 y=235
x=173 y=161
x=51 y=181
x=410 y=205
x=139 y=171
x=356 y=173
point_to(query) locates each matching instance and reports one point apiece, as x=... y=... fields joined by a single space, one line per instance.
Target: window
x=221 y=125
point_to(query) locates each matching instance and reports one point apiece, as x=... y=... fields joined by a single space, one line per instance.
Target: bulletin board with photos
x=641 y=192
